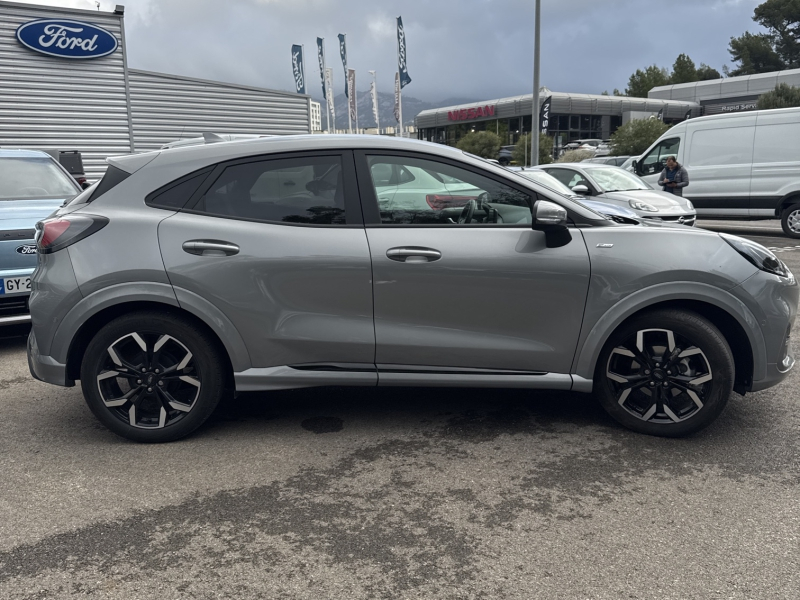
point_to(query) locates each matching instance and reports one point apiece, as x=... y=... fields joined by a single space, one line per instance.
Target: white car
x=618 y=186
x=407 y=187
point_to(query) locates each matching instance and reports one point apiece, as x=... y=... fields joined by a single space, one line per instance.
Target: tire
x=179 y=361
x=675 y=398
x=790 y=221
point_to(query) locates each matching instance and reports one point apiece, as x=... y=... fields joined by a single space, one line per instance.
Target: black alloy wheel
x=152 y=378
x=666 y=373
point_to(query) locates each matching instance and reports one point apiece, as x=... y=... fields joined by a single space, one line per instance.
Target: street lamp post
x=535 y=114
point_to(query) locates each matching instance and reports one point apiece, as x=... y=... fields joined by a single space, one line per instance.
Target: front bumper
x=44 y=368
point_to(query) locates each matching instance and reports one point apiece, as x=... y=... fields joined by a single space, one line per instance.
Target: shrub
x=522 y=149
x=480 y=143
x=635 y=137
x=575 y=156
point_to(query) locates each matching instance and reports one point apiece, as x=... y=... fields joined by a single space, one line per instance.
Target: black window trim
x=149 y=199
x=352 y=202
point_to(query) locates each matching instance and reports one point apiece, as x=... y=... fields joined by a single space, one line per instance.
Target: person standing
x=674 y=177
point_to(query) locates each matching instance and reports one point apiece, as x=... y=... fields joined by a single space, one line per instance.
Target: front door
x=278 y=245
x=460 y=278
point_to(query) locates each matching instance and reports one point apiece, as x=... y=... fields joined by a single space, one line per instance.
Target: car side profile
x=188 y=274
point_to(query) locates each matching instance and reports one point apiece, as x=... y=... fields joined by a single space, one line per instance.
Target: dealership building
x=59 y=90
x=581 y=116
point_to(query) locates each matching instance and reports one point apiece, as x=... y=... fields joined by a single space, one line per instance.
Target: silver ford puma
x=188 y=274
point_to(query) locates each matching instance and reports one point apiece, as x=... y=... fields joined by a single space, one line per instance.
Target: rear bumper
x=45 y=368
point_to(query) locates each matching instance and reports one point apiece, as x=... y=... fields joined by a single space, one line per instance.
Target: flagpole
x=355 y=100
x=347 y=87
x=535 y=114
x=327 y=91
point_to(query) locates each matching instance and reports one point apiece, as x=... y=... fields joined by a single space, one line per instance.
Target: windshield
x=34 y=178
x=548 y=180
x=614 y=179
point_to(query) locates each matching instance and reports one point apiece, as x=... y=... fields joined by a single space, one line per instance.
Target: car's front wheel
x=667 y=373
x=790 y=221
x=150 y=377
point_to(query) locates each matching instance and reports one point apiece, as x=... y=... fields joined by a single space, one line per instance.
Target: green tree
x=781 y=18
x=706 y=73
x=642 y=82
x=754 y=53
x=522 y=149
x=635 y=137
x=783 y=96
x=684 y=70
x=481 y=143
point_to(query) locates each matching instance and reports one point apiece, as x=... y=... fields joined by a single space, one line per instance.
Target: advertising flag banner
x=402 y=67
x=660 y=116
x=397 y=97
x=373 y=91
x=688 y=114
x=343 y=53
x=297 y=68
x=321 y=58
x=329 y=85
x=544 y=115
x=351 y=94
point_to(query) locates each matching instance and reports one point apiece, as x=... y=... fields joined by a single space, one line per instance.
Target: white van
x=743 y=165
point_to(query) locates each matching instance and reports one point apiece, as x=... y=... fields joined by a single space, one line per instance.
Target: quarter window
x=306 y=190
x=412 y=191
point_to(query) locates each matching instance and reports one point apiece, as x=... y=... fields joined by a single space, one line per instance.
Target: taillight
x=55 y=234
x=441 y=201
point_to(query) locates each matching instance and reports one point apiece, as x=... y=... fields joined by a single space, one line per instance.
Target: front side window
x=308 y=190
x=657 y=157
x=34 y=178
x=413 y=191
x=569 y=177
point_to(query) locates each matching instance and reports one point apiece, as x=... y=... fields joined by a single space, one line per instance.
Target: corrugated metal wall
x=166 y=108
x=48 y=102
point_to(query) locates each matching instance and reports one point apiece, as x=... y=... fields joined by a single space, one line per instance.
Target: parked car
x=604 y=208
x=72 y=161
x=617 y=186
x=190 y=273
x=504 y=157
x=32 y=186
x=741 y=165
x=614 y=161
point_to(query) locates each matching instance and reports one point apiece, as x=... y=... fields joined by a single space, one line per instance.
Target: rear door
x=277 y=243
x=464 y=282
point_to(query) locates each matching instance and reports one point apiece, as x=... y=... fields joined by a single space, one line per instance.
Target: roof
x=729 y=87
x=209 y=154
x=16 y=153
x=561 y=103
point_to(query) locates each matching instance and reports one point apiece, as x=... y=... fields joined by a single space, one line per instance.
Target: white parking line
x=784 y=249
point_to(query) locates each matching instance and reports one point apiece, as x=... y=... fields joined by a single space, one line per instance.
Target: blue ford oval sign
x=67 y=39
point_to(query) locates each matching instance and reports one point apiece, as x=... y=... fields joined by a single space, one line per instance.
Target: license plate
x=15 y=285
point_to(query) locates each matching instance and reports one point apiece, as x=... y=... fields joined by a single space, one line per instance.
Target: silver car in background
x=191 y=273
x=615 y=185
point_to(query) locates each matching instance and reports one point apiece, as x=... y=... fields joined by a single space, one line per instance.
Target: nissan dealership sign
x=67 y=39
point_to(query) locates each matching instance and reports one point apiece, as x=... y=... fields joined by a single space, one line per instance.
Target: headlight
x=757 y=255
x=639 y=205
x=689 y=205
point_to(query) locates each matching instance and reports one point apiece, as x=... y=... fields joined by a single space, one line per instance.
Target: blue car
x=32 y=185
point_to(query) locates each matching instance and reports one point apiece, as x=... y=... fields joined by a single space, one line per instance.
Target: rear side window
x=110 y=180
x=777 y=143
x=307 y=190
x=175 y=195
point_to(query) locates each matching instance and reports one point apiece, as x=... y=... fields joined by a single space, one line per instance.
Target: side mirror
x=635 y=165
x=85 y=184
x=551 y=218
x=581 y=189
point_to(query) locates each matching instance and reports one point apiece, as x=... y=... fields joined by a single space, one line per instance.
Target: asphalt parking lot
x=400 y=493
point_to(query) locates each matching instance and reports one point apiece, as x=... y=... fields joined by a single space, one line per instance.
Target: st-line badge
x=67 y=39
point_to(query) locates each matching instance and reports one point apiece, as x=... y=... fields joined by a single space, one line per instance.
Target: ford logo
x=27 y=249
x=67 y=39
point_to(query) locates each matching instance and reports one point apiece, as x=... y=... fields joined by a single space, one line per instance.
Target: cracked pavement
x=398 y=493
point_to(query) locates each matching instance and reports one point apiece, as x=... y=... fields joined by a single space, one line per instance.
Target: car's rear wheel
x=790 y=221
x=150 y=377
x=667 y=373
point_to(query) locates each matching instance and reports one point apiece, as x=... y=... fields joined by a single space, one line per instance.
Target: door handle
x=413 y=254
x=210 y=248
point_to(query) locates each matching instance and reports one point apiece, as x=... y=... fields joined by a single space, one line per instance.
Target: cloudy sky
x=479 y=49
